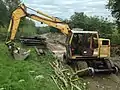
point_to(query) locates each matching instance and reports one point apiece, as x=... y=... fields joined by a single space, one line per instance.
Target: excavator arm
x=21 y=12
x=15 y=20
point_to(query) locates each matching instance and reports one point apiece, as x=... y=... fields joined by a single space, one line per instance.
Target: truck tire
x=82 y=65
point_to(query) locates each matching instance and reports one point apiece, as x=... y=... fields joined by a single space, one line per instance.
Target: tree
x=42 y=30
x=53 y=29
x=3 y=14
x=27 y=27
x=6 y=8
x=11 y=5
x=114 y=7
x=80 y=20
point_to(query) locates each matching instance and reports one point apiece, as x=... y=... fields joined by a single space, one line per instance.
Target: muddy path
x=98 y=82
x=103 y=82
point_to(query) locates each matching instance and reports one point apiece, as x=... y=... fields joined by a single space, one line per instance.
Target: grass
x=31 y=74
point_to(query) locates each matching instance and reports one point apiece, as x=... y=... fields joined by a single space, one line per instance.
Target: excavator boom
x=21 y=12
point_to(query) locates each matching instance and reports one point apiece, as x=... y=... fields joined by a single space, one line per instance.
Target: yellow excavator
x=20 y=13
x=84 y=49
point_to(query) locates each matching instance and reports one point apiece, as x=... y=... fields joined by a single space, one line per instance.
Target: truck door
x=104 y=48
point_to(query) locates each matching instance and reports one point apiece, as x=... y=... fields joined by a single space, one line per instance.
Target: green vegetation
x=42 y=30
x=11 y=4
x=94 y=23
x=3 y=14
x=32 y=74
x=27 y=31
x=114 y=7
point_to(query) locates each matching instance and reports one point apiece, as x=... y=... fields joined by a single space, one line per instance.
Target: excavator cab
x=83 y=44
x=85 y=50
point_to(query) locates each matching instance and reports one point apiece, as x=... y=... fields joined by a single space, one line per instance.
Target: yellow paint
x=64 y=28
x=14 y=23
x=104 y=50
x=21 y=12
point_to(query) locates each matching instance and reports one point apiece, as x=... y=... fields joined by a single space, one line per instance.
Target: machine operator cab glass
x=84 y=43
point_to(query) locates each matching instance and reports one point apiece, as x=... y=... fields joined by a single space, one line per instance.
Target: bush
x=42 y=30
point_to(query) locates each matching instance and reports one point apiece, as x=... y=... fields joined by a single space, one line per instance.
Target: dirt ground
x=98 y=82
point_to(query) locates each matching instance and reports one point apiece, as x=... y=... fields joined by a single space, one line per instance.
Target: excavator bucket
x=21 y=54
x=16 y=52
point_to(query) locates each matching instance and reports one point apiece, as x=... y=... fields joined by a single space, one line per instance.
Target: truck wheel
x=81 y=65
x=109 y=63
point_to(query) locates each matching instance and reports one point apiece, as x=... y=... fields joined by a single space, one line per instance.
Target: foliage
x=42 y=30
x=27 y=28
x=115 y=39
x=32 y=74
x=46 y=29
x=3 y=33
x=27 y=31
x=26 y=22
x=52 y=29
x=6 y=9
x=11 y=5
x=3 y=14
x=114 y=6
x=80 y=20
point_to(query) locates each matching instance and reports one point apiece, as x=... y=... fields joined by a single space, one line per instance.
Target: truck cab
x=85 y=49
x=87 y=44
